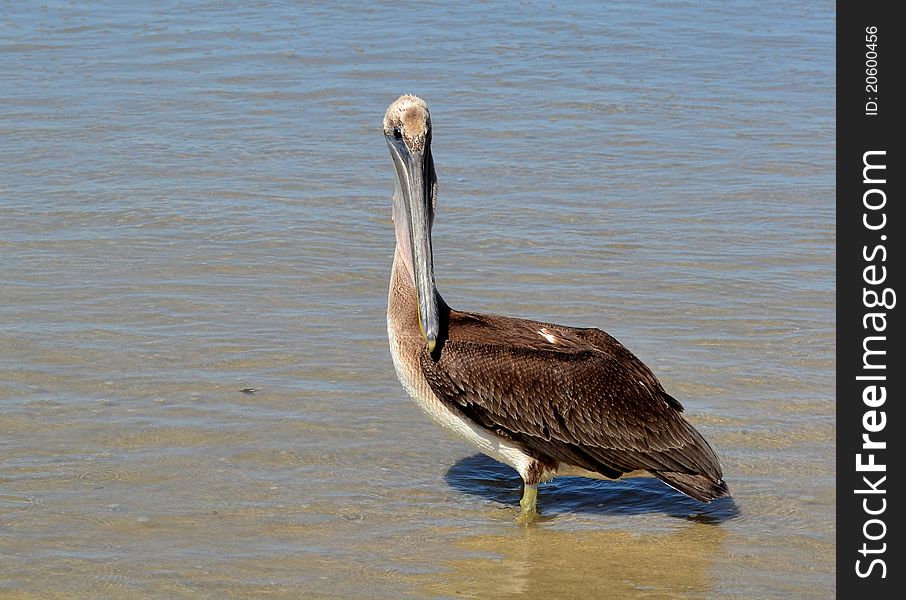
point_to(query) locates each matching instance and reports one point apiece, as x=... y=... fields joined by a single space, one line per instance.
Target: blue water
x=195 y=201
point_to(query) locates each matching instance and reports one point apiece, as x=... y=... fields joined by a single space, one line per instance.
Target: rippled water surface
x=196 y=395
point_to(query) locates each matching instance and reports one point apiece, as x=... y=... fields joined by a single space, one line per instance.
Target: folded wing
x=573 y=395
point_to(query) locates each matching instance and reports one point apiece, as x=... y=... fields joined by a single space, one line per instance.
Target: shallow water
x=194 y=201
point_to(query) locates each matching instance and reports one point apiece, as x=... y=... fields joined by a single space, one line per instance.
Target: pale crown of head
x=410 y=117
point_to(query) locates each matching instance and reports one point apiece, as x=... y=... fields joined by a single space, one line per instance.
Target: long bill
x=413 y=206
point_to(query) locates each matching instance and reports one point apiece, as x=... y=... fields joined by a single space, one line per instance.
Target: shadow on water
x=483 y=477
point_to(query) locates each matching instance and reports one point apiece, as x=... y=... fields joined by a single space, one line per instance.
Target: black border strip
x=871 y=370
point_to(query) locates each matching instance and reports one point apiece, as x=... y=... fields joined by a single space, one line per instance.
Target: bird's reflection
x=481 y=476
x=672 y=559
x=540 y=562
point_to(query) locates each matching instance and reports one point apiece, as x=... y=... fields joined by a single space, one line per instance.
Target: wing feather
x=574 y=395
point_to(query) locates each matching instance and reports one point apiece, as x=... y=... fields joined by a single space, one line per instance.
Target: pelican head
x=407 y=128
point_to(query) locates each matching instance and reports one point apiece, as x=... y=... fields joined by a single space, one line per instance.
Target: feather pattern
x=570 y=395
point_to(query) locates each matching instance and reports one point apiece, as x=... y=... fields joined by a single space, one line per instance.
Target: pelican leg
x=528 y=505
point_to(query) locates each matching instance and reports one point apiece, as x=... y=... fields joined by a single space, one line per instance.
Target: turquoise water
x=195 y=201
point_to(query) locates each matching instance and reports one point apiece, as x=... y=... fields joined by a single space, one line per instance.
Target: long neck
x=406 y=307
x=402 y=302
x=401 y=280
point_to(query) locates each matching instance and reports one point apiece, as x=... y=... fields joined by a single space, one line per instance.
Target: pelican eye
x=397 y=134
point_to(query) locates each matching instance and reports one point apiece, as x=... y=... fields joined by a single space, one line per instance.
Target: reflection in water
x=547 y=563
x=479 y=475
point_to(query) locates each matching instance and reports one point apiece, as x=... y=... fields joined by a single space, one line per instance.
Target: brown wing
x=574 y=395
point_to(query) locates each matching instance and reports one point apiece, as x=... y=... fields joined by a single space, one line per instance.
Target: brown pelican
x=545 y=399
